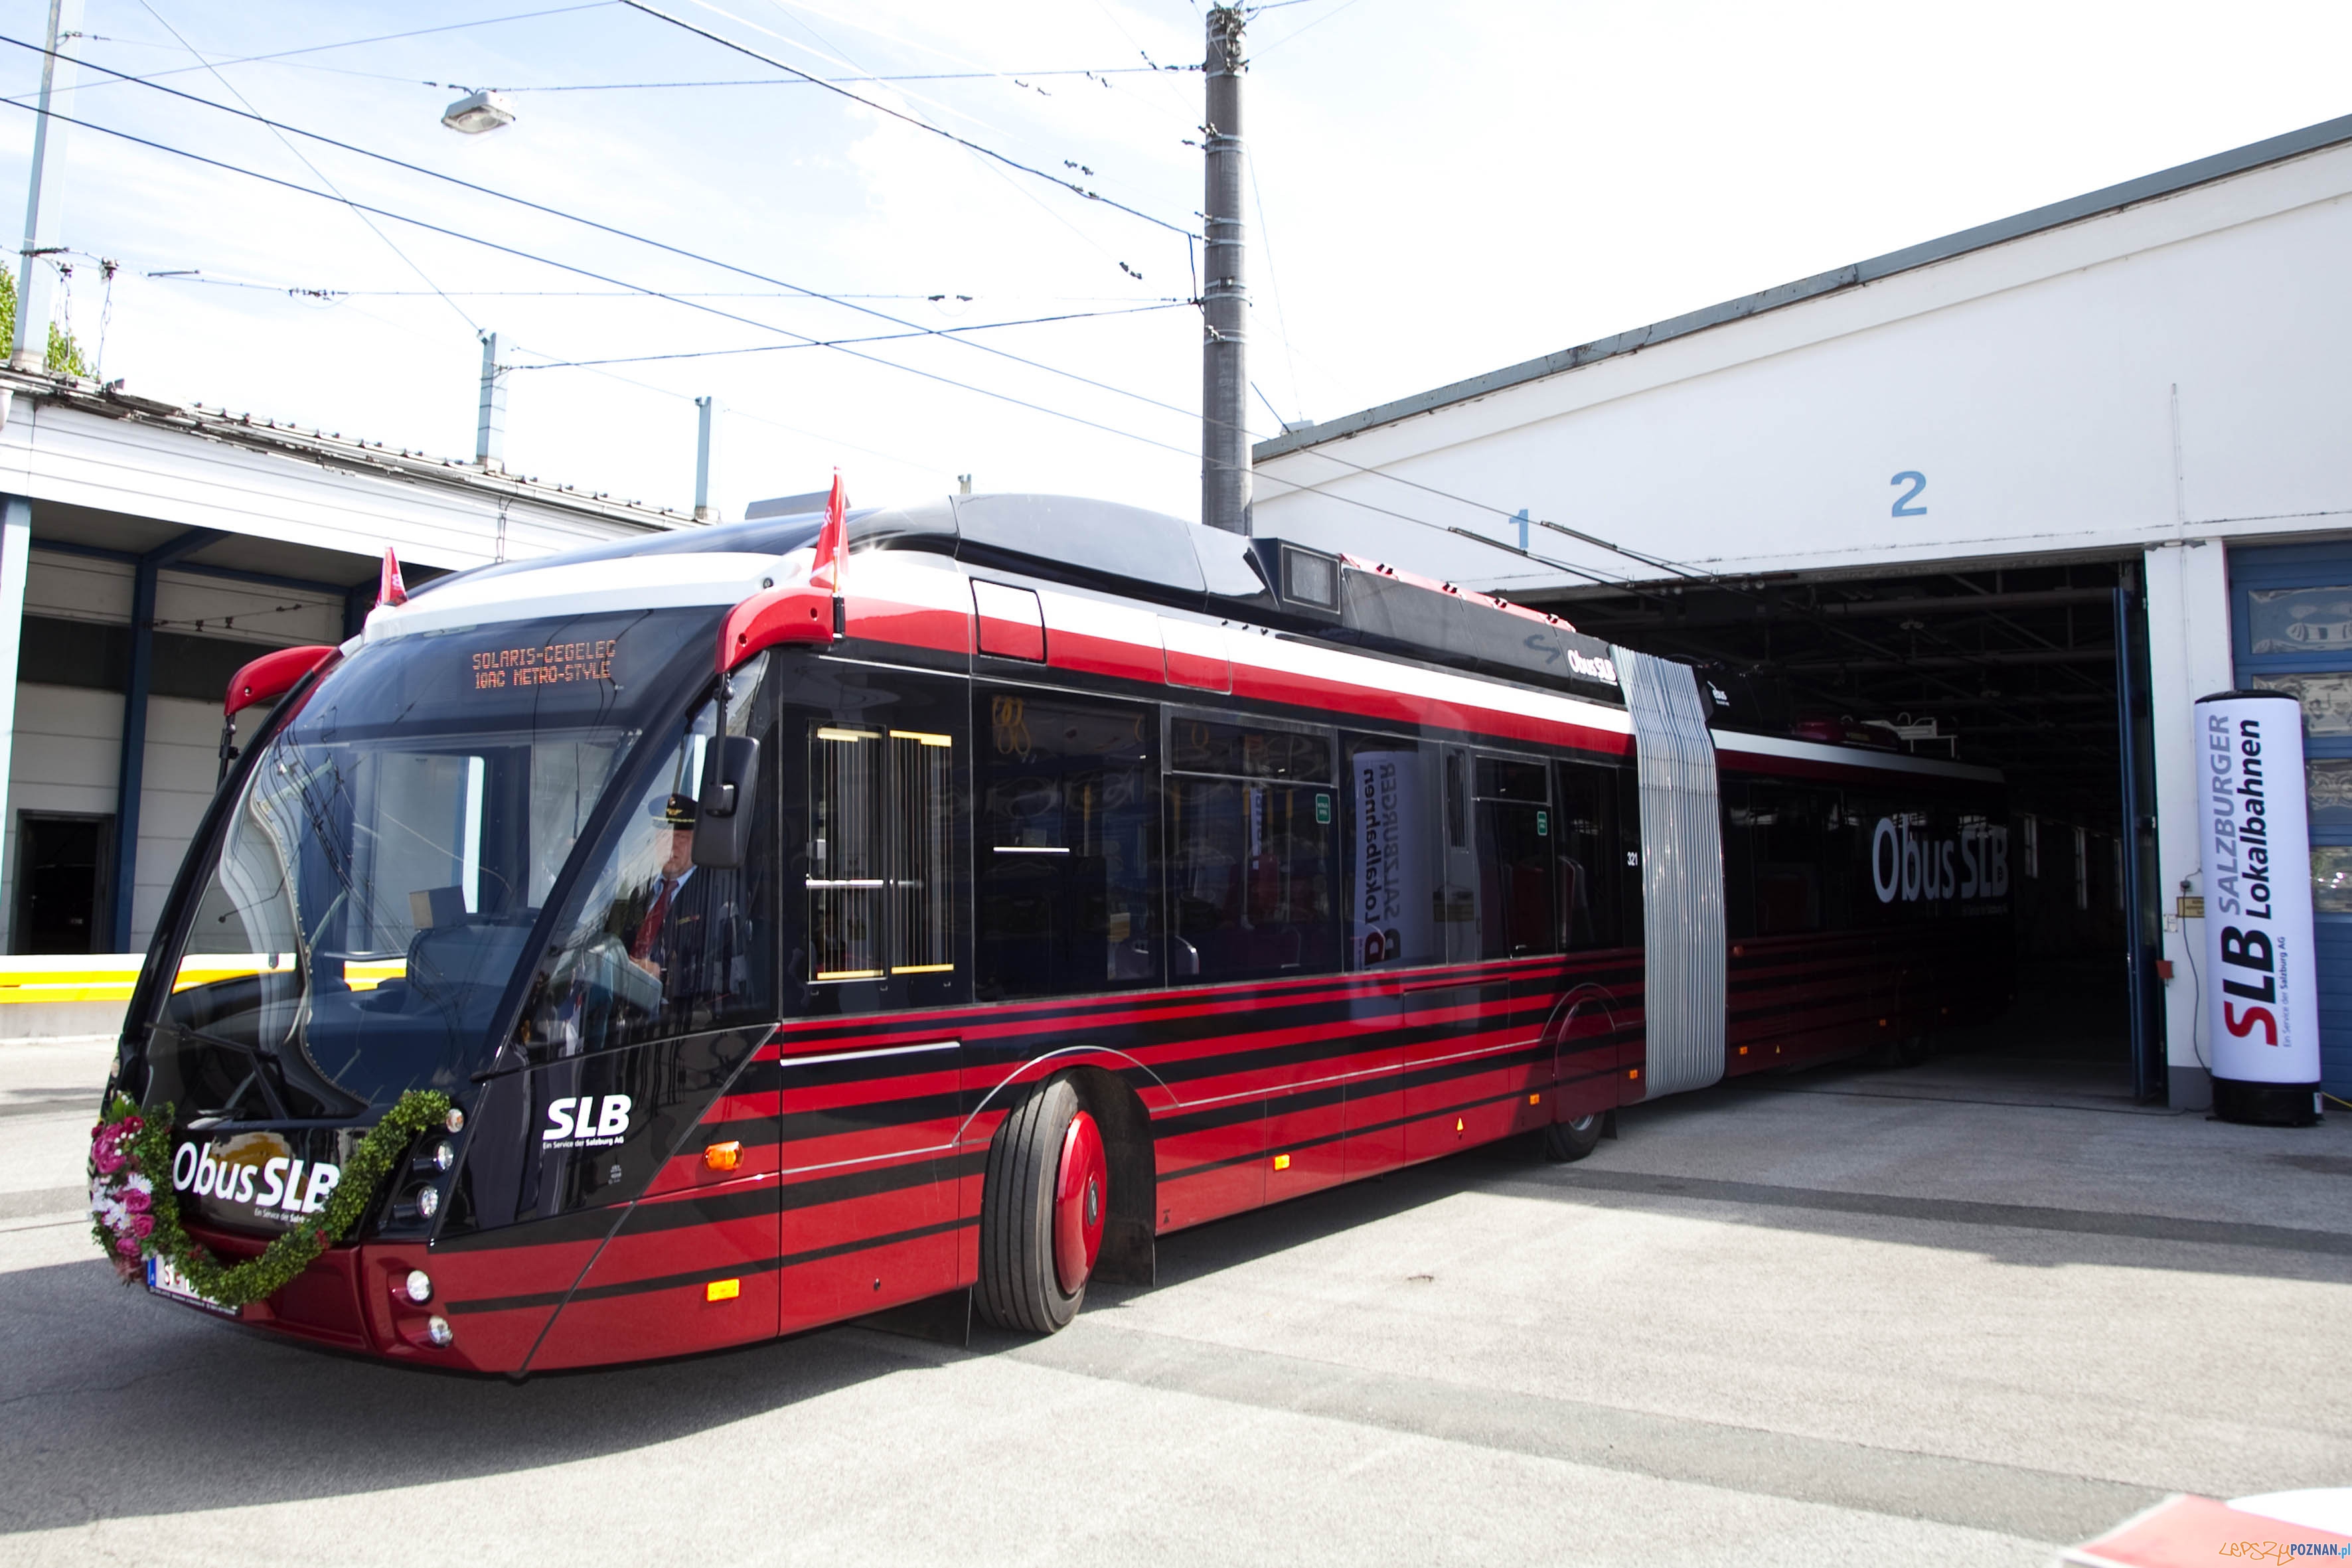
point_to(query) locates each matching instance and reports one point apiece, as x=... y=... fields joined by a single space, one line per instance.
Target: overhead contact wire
x=900 y=115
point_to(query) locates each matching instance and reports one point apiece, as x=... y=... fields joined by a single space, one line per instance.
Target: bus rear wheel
x=1566 y=1140
x=1042 y=1206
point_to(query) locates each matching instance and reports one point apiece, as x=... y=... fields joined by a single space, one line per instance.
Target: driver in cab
x=666 y=956
x=668 y=916
x=659 y=920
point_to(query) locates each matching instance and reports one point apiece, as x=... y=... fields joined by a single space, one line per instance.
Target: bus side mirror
x=722 y=811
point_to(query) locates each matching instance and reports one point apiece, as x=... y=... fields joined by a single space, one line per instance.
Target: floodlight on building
x=478 y=112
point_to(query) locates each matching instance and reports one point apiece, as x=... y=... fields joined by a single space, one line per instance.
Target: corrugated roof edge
x=2148 y=187
x=373 y=459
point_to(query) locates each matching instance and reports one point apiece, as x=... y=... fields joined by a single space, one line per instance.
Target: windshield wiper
x=256 y=1053
x=297 y=1071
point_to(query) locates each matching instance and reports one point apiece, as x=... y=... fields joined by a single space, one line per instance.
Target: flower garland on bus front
x=135 y=1215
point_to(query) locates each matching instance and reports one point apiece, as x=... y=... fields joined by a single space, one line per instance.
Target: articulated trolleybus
x=815 y=916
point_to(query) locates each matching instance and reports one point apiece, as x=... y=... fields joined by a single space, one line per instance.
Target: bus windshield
x=377 y=881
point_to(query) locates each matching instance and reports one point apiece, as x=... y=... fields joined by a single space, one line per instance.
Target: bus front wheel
x=1042 y=1207
x=1566 y=1140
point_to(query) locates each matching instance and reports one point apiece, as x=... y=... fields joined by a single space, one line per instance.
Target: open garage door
x=2039 y=669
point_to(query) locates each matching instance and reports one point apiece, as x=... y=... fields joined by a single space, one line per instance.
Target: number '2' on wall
x=1918 y=482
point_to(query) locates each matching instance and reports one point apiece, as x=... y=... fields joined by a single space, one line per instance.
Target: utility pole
x=706 y=412
x=490 y=418
x=1224 y=307
x=34 y=279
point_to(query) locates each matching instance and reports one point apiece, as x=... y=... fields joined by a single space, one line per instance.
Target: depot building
x=2019 y=496
x=149 y=551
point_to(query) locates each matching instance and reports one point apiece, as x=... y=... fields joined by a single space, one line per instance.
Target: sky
x=1436 y=190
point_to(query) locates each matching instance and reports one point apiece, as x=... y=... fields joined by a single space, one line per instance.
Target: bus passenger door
x=1443 y=1071
x=1597 y=847
x=1457 y=895
x=1394 y=873
x=876 y=842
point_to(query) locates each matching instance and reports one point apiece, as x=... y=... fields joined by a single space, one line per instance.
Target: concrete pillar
x=2188 y=655
x=16 y=555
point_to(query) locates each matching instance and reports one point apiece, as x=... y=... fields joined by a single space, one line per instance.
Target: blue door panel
x=2291 y=627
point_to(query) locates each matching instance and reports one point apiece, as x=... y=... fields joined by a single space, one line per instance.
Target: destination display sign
x=552 y=664
x=561 y=669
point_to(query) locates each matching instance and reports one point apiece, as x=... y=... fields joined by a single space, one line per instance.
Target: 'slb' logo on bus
x=587 y=1122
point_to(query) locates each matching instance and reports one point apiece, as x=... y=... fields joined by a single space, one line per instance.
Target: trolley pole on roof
x=1224 y=307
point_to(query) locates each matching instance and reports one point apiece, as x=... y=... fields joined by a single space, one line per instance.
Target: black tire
x=1905 y=1051
x=1567 y=1141
x=1018 y=1286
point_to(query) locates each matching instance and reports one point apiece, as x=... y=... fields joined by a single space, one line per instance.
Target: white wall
x=2188 y=657
x=2032 y=383
x=69 y=739
x=183 y=762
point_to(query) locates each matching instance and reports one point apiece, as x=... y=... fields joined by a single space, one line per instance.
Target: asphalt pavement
x=1955 y=1315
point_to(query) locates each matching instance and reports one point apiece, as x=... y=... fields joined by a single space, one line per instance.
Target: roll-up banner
x=2260 y=984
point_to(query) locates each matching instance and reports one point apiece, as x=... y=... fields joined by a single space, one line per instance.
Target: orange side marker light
x=1282 y=1161
x=1535 y=1099
x=723 y=1157
x=722 y=1289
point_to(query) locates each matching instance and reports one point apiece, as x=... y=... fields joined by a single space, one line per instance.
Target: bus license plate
x=165 y=1280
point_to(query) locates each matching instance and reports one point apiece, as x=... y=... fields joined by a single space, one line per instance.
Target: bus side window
x=1393 y=871
x=1252 y=847
x=1518 y=903
x=1739 y=860
x=1586 y=847
x=881 y=888
x=1793 y=835
x=1068 y=845
x=1457 y=819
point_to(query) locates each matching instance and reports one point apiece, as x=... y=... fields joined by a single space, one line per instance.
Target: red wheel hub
x=1081 y=1199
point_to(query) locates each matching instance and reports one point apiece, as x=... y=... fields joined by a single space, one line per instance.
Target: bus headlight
x=437 y=1330
x=419 y=1286
x=428 y=1200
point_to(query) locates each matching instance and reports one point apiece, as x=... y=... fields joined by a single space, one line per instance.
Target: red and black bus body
x=1293 y=869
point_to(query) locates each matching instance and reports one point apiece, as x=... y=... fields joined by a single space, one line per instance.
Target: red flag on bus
x=832 y=540
x=390 y=589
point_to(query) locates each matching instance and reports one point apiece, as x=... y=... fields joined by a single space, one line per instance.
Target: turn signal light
x=722 y=1289
x=1535 y=1099
x=1282 y=1161
x=723 y=1157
